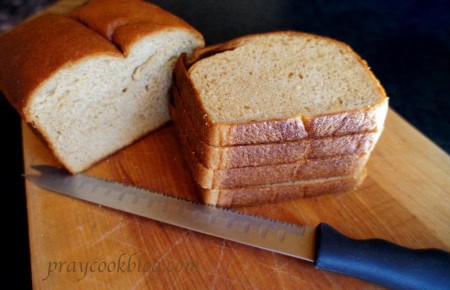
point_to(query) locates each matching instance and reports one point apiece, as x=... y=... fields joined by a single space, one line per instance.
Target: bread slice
x=269 y=174
x=266 y=193
x=279 y=87
x=224 y=157
x=254 y=195
x=96 y=81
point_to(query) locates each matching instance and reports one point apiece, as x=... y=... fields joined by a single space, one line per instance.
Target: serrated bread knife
x=374 y=260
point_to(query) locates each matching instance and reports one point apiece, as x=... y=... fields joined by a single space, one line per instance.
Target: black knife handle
x=382 y=262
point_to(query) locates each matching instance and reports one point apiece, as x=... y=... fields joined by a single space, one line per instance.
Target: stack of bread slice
x=276 y=116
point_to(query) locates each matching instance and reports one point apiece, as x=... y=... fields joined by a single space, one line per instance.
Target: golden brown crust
x=343 y=145
x=35 y=50
x=348 y=122
x=30 y=54
x=268 y=174
x=224 y=157
x=115 y=19
x=252 y=176
x=367 y=119
x=255 y=195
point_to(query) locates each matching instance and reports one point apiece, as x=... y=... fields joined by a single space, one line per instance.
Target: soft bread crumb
x=281 y=75
x=91 y=108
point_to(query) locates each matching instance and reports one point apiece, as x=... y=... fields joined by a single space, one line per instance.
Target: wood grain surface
x=405 y=199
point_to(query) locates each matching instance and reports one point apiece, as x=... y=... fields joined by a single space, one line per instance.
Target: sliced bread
x=254 y=195
x=95 y=81
x=279 y=87
x=223 y=157
x=268 y=174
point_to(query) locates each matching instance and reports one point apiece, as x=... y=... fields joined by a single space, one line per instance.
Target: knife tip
x=45 y=168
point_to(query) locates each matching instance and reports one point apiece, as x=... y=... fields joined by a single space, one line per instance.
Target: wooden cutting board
x=405 y=199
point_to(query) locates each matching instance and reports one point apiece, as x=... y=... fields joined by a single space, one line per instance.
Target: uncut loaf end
x=94 y=81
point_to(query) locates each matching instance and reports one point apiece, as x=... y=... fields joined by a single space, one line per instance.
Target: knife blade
x=373 y=260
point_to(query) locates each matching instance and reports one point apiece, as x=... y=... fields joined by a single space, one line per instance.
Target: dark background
x=406 y=43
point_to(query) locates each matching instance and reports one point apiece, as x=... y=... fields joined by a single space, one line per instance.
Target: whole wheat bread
x=268 y=174
x=279 y=87
x=254 y=195
x=269 y=193
x=223 y=157
x=95 y=81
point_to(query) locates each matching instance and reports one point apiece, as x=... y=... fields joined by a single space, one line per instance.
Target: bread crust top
x=124 y=22
x=36 y=49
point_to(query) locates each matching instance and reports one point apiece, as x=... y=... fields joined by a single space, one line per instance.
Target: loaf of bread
x=94 y=81
x=278 y=87
x=276 y=116
x=223 y=157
